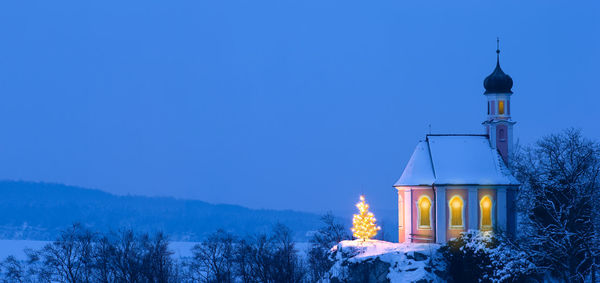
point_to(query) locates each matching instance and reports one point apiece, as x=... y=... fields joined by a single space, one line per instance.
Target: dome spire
x=498 y=81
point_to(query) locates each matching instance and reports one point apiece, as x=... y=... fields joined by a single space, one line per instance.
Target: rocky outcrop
x=378 y=261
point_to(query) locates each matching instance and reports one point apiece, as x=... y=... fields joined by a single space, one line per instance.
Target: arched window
x=486 y=212
x=501 y=135
x=456 y=212
x=424 y=212
x=501 y=107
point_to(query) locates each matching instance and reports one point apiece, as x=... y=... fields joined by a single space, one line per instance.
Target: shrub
x=483 y=257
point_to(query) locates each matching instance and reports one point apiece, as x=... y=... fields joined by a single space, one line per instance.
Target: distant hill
x=41 y=210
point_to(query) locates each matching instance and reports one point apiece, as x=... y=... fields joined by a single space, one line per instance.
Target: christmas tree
x=364 y=227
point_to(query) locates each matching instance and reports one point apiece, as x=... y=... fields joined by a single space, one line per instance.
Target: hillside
x=40 y=210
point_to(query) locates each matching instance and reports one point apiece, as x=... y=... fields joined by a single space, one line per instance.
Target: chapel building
x=459 y=182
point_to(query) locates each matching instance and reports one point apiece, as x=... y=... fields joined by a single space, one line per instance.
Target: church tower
x=499 y=125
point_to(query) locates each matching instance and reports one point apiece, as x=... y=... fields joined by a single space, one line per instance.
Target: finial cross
x=497 y=44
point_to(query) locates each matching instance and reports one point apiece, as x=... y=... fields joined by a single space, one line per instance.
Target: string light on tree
x=364 y=226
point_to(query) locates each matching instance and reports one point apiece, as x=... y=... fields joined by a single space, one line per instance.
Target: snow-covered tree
x=559 y=202
x=364 y=226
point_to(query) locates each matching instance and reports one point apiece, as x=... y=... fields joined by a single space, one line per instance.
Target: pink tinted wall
x=422 y=235
x=401 y=212
x=502 y=141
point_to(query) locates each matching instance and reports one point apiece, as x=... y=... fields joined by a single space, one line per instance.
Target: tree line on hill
x=41 y=211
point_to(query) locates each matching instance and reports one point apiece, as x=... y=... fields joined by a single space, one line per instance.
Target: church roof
x=455 y=160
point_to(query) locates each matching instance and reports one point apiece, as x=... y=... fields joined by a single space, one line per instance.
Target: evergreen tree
x=364 y=226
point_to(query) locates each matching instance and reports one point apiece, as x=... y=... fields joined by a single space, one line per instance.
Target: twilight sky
x=275 y=104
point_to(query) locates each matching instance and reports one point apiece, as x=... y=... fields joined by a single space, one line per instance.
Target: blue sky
x=275 y=104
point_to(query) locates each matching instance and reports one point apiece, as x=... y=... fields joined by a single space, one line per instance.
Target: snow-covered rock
x=378 y=261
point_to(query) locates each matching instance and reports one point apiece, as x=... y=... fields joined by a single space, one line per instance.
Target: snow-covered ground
x=404 y=262
x=17 y=247
x=180 y=249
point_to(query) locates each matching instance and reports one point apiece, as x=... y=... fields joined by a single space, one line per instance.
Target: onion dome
x=498 y=81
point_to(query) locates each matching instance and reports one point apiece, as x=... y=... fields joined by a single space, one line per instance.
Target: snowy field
x=17 y=247
x=180 y=249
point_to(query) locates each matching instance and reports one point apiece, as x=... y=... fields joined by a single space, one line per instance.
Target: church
x=459 y=182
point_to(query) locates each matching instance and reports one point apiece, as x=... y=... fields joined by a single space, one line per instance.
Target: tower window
x=486 y=213
x=501 y=107
x=488 y=104
x=424 y=212
x=456 y=212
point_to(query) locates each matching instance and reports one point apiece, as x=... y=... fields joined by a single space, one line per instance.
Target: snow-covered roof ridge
x=456 y=160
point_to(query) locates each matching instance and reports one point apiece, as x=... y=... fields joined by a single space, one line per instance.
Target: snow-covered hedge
x=481 y=257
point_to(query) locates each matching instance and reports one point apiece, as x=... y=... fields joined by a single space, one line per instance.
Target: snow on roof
x=419 y=170
x=458 y=160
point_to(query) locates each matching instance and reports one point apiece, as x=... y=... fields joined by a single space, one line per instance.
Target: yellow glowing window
x=486 y=213
x=501 y=107
x=456 y=212
x=424 y=205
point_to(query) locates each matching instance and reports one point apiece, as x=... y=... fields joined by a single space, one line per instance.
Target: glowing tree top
x=364 y=227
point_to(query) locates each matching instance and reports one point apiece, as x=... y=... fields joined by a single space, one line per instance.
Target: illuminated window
x=486 y=213
x=424 y=212
x=400 y=211
x=456 y=212
x=501 y=107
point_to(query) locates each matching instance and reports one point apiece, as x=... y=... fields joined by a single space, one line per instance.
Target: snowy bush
x=480 y=257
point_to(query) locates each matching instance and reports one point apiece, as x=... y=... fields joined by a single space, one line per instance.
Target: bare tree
x=559 y=200
x=157 y=265
x=104 y=255
x=70 y=256
x=127 y=257
x=214 y=258
x=286 y=264
x=243 y=261
x=331 y=233
x=13 y=270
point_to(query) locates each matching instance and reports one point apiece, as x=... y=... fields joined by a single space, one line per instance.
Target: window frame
x=462 y=213
x=419 y=225
x=481 y=226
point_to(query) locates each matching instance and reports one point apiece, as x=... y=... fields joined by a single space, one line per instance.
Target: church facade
x=459 y=182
